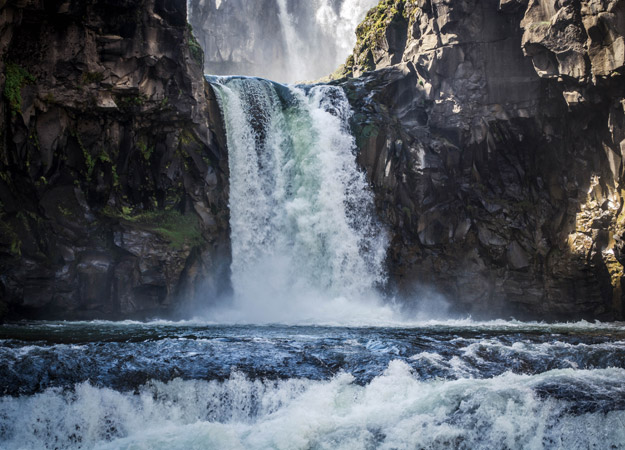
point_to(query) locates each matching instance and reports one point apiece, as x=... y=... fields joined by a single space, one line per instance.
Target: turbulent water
x=305 y=242
x=500 y=385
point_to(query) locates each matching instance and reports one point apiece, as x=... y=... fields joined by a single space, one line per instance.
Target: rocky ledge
x=493 y=133
x=113 y=179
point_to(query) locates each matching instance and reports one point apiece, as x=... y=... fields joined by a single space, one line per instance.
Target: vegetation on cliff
x=16 y=78
x=371 y=35
x=111 y=182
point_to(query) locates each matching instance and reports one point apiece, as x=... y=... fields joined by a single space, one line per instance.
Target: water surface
x=431 y=385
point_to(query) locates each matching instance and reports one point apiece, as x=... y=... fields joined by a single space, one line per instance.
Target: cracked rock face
x=492 y=132
x=113 y=176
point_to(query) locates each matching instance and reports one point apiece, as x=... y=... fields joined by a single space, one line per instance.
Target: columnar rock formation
x=493 y=132
x=112 y=182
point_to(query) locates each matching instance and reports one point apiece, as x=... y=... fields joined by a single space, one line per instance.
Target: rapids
x=196 y=386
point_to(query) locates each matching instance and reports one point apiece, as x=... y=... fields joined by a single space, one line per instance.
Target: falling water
x=332 y=29
x=284 y=40
x=305 y=242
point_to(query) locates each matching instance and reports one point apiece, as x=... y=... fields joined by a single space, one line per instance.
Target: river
x=192 y=385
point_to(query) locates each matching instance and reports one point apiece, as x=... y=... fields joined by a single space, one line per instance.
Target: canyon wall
x=493 y=134
x=113 y=178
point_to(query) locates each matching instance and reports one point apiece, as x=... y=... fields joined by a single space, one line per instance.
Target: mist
x=283 y=40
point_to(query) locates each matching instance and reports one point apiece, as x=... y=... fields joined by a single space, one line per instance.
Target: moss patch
x=178 y=229
x=145 y=149
x=129 y=103
x=16 y=78
x=194 y=47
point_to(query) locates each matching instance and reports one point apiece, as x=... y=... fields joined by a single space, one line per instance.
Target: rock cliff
x=113 y=180
x=493 y=133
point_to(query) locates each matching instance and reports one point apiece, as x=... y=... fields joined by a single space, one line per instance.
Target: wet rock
x=507 y=196
x=111 y=174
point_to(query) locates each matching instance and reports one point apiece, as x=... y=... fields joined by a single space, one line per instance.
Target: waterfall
x=341 y=22
x=285 y=40
x=305 y=241
x=317 y=49
x=295 y=46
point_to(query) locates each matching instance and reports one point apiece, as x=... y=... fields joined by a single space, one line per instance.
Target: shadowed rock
x=113 y=199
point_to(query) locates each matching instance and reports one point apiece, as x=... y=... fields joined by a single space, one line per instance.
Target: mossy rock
x=16 y=78
x=194 y=47
x=370 y=34
x=178 y=229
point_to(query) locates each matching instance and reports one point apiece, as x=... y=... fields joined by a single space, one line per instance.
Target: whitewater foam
x=306 y=247
x=394 y=410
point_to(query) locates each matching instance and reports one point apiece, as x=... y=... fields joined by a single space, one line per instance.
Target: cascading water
x=305 y=242
x=284 y=40
x=333 y=24
x=307 y=249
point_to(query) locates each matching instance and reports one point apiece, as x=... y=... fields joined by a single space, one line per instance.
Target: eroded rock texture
x=112 y=178
x=493 y=133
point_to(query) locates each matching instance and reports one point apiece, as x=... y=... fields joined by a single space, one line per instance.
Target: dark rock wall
x=493 y=135
x=113 y=180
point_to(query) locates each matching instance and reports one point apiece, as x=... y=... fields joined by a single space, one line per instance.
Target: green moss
x=115 y=176
x=370 y=32
x=90 y=163
x=66 y=212
x=130 y=102
x=89 y=160
x=34 y=139
x=194 y=47
x=146 y=151
x=180 y=229
x=16 y=78
x=188 y=137
x=177 y=228
x=105 y=158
